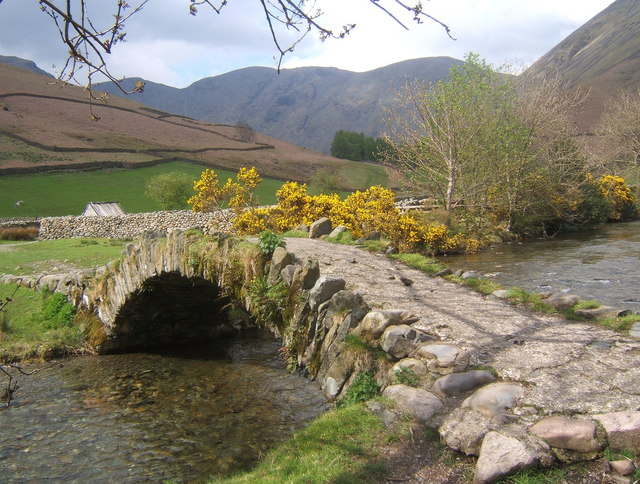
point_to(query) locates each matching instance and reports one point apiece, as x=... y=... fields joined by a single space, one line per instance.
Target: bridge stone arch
x=170 y=289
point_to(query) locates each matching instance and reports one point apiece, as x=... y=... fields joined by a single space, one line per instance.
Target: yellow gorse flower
x=362 y=212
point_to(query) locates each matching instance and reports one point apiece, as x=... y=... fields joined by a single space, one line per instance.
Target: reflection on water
x=600 y=264
x=210 y=410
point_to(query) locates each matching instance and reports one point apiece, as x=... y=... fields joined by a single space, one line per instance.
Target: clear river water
x=184 y=415
x=601 y=264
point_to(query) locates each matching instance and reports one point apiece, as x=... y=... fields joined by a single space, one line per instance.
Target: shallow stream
x=601 y=264
x=183 y=415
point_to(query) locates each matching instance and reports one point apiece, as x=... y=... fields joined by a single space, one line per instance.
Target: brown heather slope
x=45 y=126
x=603 y=56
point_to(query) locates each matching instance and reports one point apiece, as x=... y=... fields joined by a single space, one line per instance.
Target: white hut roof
x=103 y=209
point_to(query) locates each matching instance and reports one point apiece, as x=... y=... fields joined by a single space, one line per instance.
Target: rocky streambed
x=184 y=414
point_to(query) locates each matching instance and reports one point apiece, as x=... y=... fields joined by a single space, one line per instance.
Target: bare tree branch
x=12 y=385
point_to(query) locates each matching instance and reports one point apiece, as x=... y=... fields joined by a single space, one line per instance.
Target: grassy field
x=51 y=256
x=68 y=193
x=27 y=333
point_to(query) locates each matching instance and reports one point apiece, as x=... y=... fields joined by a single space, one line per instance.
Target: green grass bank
x=55 y=194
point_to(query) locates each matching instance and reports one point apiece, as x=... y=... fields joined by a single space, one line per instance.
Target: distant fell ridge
x=603 y=55
x=23 y=64
x=47 y=127
x=305 y=105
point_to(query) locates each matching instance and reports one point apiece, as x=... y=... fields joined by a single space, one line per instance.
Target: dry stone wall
x=18 y=222
x=123 y=227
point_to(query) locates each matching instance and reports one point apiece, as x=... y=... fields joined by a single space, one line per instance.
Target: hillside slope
x=603 y=55
x=305 y=106
x=45 y=126
x=23 y=64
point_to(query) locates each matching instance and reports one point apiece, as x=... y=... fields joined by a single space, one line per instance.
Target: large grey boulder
x=568 y=433
x=623 y=430
x=501 y=456
x=288 y=273
x=324 y=289
x=308 y=274
x=623 y=467
x=49 y=281
x=413 y=364
x=319 y=228
x=279 y=260
x=495 y=399
x=340 y=229
x=376 y=322
x=561 y=301
x=338 y=374
x=457 y=383
x=464 y=428
x=400 y=340
x=442 y=358
x=416 y=402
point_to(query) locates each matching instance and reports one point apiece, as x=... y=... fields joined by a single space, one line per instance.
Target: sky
x=167 y=45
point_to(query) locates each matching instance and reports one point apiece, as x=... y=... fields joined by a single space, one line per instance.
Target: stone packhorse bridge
x=516 y=389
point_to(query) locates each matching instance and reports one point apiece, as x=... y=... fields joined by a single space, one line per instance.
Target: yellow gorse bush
x=619 y=194
x=362 y=212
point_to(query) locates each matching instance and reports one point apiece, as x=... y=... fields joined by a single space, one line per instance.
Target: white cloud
x=167 y=45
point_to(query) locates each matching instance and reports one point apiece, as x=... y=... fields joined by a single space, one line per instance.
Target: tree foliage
x=244 y=131
x=170 y=190
x=487 y=141
x=350 y=145
x=620 y=127
x=228 y=200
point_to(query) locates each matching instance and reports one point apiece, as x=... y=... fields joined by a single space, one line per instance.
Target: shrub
x=170 y=190
x=363 y=388
x=362 y=212
x=19 y=233
x=622 y=200
x=269 y=241
x=267 y=301
x=406 y=376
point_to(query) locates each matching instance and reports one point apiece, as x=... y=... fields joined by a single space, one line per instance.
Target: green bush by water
x=363 y=388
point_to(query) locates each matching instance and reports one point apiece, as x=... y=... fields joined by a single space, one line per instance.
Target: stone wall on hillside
x=123 y=227
x=18 y=222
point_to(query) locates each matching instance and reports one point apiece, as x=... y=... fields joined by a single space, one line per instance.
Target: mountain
x=23 y=64
x=603 y=55
x=48 y=127
x=305 y=105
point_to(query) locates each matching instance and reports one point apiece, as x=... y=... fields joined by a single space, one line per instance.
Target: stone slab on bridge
x=566 y=367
